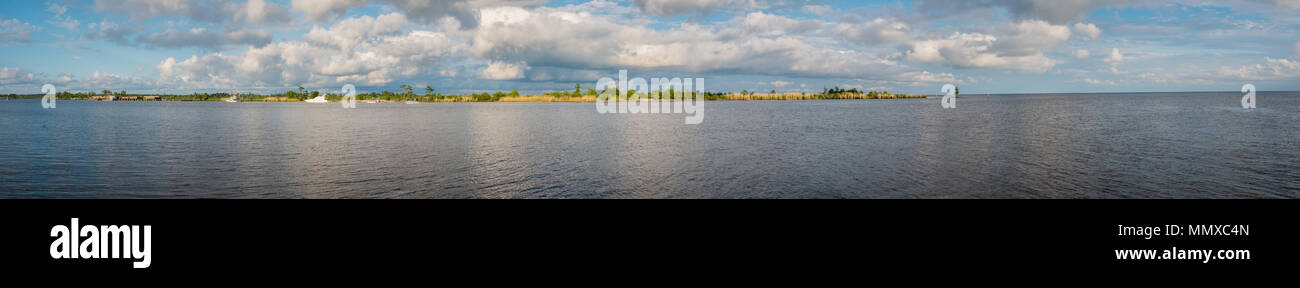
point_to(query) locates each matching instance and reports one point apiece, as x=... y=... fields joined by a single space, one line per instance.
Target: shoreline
x=505 y=99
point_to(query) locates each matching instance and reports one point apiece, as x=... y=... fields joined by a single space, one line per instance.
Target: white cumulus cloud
x=1272 y=69
x=378 y=61
x=350 y=32
x=1081 y=54
x=10 y=76
x=503 y=71
x=1114 y=58
x=1020 y=49
x=13 y=30
x=1088 y=30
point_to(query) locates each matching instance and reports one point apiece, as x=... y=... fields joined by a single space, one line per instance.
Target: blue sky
x=457 y=46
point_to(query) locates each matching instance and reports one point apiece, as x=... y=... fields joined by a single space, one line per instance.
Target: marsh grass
x=548 y=98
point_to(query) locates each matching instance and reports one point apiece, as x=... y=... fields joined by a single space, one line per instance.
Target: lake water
x=1170 y=145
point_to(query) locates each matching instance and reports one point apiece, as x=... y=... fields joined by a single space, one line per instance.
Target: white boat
x=411 y=102
x=318 y=99
x=233 y=99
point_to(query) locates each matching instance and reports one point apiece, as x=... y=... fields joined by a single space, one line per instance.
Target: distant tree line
x=407 y=93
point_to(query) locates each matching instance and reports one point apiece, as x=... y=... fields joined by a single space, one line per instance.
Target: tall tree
x=407 y=90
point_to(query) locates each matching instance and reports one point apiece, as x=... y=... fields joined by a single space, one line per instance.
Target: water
x=1187 y=145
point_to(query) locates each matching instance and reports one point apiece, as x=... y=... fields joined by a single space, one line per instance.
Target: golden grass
x=544 y=98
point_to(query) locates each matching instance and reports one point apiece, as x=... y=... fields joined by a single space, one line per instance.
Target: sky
x=789 y=46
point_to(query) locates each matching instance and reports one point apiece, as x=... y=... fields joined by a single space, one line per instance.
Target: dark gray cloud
x=428 y=10
x=206 y=39
x=112 y=32
x=1054 y=11
x=129 y=35
x=671 y=8
x=465 y=12
x=225 y=12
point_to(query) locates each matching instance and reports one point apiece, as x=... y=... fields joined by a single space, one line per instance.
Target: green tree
x=577 y=89
x=428 y=90
x=514 y=93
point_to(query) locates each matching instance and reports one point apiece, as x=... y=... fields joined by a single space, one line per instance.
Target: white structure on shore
x=318 y=99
